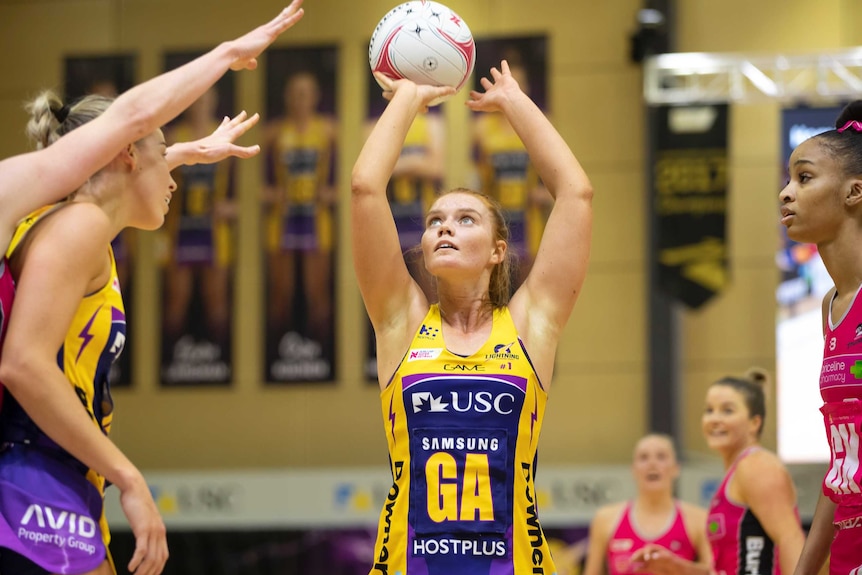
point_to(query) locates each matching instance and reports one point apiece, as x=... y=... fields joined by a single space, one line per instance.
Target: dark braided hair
x=845 y=146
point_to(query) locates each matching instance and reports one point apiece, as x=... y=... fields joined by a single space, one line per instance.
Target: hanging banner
x=690 y=201
x=299 y=204
x=197 y=248
x=502 y=168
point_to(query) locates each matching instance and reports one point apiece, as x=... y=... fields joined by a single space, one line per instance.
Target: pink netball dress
x=841 y=390
x=740 y=545
x=626 y=540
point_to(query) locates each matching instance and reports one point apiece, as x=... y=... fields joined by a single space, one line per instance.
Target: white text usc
x=464 y=402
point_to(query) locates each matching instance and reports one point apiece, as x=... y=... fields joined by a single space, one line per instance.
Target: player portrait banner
x=196 y=249
x=299 y=205
x=109 y=75
x=501 y=165
x=689 y=201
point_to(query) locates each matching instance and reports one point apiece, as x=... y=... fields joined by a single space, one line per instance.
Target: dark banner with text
x=689 y=201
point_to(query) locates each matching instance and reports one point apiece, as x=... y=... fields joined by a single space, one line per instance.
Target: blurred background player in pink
x=752 y=524
x=654 y=516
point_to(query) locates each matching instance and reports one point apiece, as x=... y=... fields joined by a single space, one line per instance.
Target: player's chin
x=716 y=443
x=797 y=234
x=153 y=221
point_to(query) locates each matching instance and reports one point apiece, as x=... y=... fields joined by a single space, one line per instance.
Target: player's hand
x=151 y=545
x=498 y=89
x=247 y=48
x=220 y=144
x=654 y=559
x=427 y=95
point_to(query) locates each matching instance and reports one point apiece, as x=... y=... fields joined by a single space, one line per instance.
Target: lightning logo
x=392 y=419
x=85 y=334
x=503 y=348
x=533 y=417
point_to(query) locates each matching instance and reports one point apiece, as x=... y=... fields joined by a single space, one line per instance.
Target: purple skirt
x=49 y=512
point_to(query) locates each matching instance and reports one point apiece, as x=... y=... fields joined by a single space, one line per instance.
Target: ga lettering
x=441 y=476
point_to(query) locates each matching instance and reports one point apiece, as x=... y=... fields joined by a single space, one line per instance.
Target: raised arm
x=386 y=286
x=543 y=303
x=39 y=178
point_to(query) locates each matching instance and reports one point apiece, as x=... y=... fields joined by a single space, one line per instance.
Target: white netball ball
x=425 y=42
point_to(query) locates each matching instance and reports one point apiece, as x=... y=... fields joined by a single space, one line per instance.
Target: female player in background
x=199 y=233
x=822 y=205
x=462 y=401
x=114 y=167
x=753 y=525
x=507 y=175
x=654 y=516
x=300 y=234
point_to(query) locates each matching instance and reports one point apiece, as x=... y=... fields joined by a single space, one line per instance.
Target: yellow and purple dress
x=300 y=220
x=51 y=504
x=462 y=435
